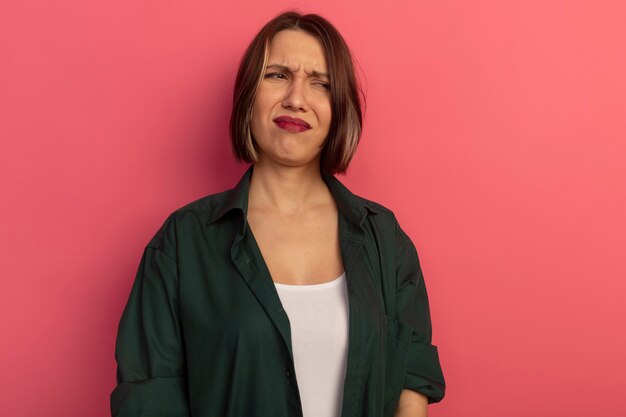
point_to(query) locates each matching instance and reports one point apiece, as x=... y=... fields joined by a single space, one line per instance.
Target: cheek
x=256 y=128
x=265 y=96
x=256 y=110
x=260 y=122
x=258 y=113
x=328 y=115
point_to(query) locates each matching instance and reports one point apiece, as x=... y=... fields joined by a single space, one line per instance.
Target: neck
x=287 y=190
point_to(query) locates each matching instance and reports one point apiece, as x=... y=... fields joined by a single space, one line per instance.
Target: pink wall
x=495 y=130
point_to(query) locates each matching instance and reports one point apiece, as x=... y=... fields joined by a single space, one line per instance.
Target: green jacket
x=204 y=334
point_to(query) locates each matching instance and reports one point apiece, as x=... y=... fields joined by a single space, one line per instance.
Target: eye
x=322 y=85
x=276 y=75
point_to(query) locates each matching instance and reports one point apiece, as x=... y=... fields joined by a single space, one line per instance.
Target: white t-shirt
x=318 y=315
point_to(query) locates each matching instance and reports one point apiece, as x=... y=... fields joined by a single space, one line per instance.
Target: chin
x=291 y=162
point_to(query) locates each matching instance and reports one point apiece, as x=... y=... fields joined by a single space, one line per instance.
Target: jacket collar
x=353 y=207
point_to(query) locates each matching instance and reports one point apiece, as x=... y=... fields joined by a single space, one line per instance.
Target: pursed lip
x=291 y=123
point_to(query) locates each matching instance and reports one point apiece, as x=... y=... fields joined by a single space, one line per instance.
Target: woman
x=287 y=295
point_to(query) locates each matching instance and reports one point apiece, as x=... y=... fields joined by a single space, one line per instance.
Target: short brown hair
x=345 y=91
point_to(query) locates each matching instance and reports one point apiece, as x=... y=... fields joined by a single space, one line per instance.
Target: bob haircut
x=345 y=91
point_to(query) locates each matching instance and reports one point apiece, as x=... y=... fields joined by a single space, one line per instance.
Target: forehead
x=297 y=49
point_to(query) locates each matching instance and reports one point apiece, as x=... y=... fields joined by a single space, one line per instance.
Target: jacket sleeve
x=151 y=378
x=423 y=370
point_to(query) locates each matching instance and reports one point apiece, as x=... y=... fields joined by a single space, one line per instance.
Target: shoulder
x=203 y=206
x=377 y=212
x=383 y=221
x=190 y=218
x=350 y=202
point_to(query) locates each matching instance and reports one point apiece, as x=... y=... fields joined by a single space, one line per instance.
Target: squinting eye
x=277 y=75
x=321 y=84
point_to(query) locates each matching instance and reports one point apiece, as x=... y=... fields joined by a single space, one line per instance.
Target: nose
x=295 y=96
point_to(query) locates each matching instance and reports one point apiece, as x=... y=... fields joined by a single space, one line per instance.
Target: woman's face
x=291 y=114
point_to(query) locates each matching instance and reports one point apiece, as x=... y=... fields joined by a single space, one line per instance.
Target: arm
x=423 y=378
x=412 y=404
x=151 y=379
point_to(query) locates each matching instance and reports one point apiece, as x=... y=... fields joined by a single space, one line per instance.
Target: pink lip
x=291 y=124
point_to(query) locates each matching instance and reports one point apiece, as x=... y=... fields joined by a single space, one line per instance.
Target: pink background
x=495 y=130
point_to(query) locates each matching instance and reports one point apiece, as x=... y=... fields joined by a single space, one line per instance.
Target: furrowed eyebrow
x=286 y=69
